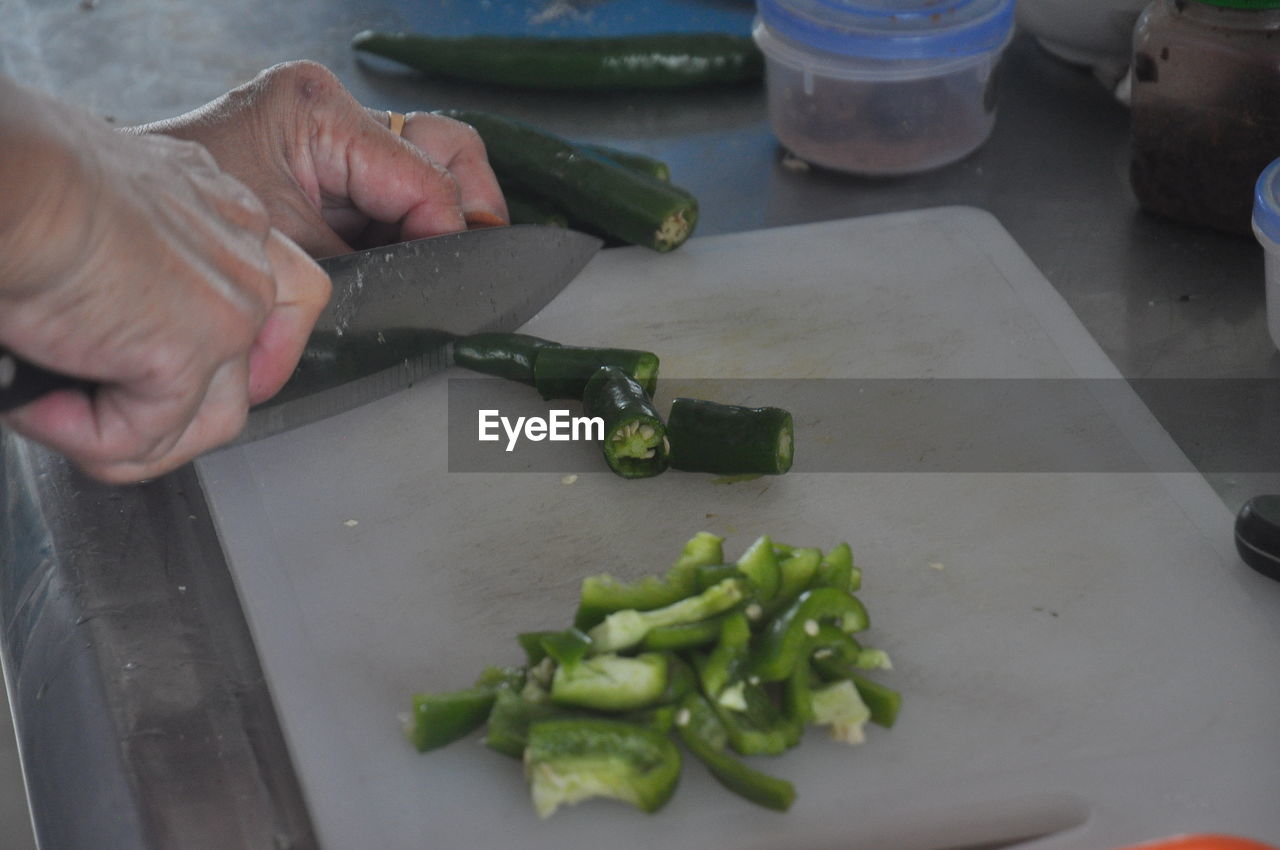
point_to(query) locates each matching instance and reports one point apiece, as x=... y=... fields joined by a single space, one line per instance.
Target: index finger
x=458 y=148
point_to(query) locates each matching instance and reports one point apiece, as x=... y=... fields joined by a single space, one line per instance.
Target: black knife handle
x=22 y=382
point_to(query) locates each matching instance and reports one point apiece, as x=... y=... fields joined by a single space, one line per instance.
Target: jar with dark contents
x=1206 y=108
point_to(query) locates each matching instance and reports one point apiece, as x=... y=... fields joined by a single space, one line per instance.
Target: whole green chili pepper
x=634 y=160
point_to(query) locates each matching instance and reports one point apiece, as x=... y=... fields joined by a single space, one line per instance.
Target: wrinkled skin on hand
x=331 y=174
x=138 y=263
x=169 y=262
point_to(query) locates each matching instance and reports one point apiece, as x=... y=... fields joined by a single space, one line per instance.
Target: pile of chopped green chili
x=617 y=385
x=731 y=659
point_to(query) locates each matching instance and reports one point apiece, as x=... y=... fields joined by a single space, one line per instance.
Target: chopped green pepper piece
x=839 y=706
x=604 y=594
x=711 y=574
x=611 y=682
x=625 y=629
x=796 y=570
x=702 y=549
x=566 y=647
x=760 y=566
x=568 y=761
x=798 y=696
x=684 y=635
x=837 y=570
x=501 y=677
x=680 y=680
x=704 y=735
x=503 y=355
x=440 y=719
x=873 y=659
x=660 y=718
x=788 y=637
x=883 y=702
x=563 y=371
x=507 y=730
x=759 y=728
x=531 y=643
x=634 y=436
x=724 y=664
x=562 y=647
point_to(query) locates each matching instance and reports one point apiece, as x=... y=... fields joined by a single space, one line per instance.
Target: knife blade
x=390 y=320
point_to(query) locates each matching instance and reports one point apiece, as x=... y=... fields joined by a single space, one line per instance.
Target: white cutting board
x=1090 y=659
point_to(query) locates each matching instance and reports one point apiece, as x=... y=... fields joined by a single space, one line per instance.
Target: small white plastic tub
x=1266 y=226
x=882 y=87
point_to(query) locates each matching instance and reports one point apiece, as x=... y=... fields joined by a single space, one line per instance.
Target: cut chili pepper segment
x=501 y=355
x=634 y=435
x=563 y=371
x=728 y=439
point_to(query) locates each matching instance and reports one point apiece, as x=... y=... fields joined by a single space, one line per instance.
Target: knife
x=391 y=319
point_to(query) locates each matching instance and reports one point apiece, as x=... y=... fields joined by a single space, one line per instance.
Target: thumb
x=302 y=290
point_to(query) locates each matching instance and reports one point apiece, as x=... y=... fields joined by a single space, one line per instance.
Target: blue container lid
x=892 y=29
x=1266 y=202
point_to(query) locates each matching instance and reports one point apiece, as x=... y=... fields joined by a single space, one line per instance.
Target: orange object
x=1202 y=842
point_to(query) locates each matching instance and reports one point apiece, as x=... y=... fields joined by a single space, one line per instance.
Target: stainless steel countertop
x=142 y=712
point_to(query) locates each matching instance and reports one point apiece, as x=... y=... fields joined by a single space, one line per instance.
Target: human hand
x=135 y=262
x=330 y=172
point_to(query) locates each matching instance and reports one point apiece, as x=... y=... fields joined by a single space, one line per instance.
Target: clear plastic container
x=882 y=86
x=1206 y=107
x=1266 y=226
